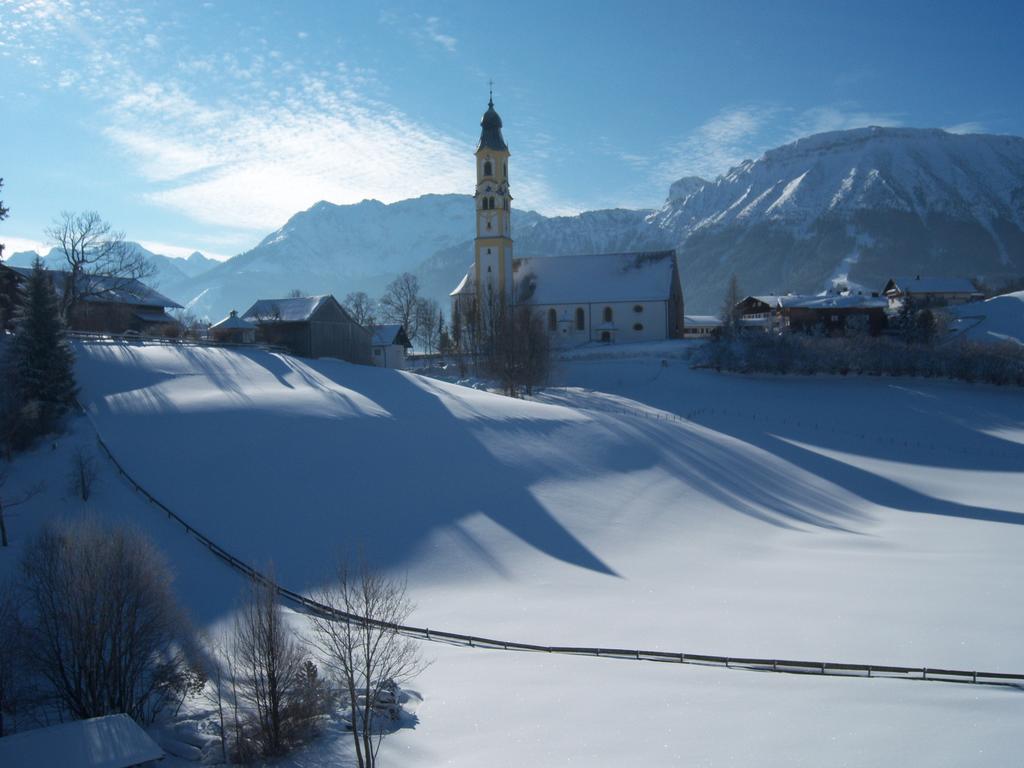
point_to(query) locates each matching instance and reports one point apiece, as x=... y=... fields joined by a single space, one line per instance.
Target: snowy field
x=843 y=519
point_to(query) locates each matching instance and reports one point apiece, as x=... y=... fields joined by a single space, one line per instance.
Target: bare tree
x=367 y=655
x=102 y=626
x=7 y=503
x=9 y=620
x=82 y=476
x=270 y=667
x=361 y=308
x=730 y=310
x=400 y=301
x=99 y=259
x=427 y=330
x=295 y=293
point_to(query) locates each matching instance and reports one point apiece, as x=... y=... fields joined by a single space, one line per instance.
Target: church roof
x=490 y=130
x=595 y=278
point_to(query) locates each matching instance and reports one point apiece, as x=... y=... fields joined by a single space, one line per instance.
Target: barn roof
x=602 y=277
x=115 y=741
x=294 y=310
x=232 y=323
x=920 y=284
x=115 y=290
x=386 y=335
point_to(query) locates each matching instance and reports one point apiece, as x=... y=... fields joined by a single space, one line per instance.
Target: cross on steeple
x=490 y=94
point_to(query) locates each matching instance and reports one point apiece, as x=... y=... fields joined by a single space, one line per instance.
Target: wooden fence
x=789 y=666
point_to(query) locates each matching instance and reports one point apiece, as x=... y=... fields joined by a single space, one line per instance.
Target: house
x=930 y=291
x=114 y=741
x=389 y=344
x=608 y=297
x=838 y=313
x=233 y=330
x=765 y=312
x=700 y=326
x=310 y=326
x=110 y=304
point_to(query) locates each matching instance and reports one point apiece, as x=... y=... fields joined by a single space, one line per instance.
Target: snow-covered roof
x=386 y=335
x=840 y=301
x=700 y=320
x=116 y=290
x=465 y=285
x=602 y=277
x=232 y=323
x=778 y=301
x=115 y=741
x=920 y=284
x=296 y=310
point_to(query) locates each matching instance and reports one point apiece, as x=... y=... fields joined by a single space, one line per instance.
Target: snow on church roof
x=603 y=277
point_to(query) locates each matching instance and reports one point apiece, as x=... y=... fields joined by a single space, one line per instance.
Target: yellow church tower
x=493 y=245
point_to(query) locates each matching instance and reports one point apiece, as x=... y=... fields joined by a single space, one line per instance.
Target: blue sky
x=205 y=125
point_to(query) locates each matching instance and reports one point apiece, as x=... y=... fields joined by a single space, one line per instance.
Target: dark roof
x=112 y=290
x=490 y=130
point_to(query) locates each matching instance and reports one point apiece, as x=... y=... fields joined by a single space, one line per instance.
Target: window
x=492 y=203
x=504 y=168
x=488 y=169
x=376 y=351
x=638 y=308
x=580 y=319
x=607 y=314
x=638 y=326
x=552 y=320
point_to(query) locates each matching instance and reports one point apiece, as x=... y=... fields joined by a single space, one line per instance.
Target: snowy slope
x=1000 y=318
x=841 y=519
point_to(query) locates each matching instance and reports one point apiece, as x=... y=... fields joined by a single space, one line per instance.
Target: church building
x=608 y=297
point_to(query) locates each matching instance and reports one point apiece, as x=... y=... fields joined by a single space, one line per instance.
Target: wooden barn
x=310 y=326
x=839 y=313
x=109 y=304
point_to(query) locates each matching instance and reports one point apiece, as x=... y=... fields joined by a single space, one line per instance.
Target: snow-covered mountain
x=858 y=206
x=855 y=206
x=172 y=273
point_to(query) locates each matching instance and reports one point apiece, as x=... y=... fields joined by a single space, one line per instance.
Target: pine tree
x=41 y=354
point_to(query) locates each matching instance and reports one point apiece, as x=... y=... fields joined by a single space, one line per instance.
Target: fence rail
x=473 y=641
x=165 y=340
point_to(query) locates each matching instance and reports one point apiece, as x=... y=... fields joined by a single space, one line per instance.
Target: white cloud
x=432 y=29
x=14 y=245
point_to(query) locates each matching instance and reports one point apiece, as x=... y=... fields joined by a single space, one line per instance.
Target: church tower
x=493 y=245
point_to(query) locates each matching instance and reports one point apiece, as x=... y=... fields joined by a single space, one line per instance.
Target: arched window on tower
x=488 y=168
x=485 y=205
x=492 y=203
x=552 y=320
x=580 y=319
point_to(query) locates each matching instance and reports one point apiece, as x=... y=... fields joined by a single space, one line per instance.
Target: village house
x=310 y=326
x=109 y=304
x=838 y=313
x=765 y=312
x=930 y=291
x=700 y=326
x=233 y=330
x=611 y=297
x=389 y=343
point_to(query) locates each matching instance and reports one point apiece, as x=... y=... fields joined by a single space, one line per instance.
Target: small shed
x=310 y=326
x=234 y=330
x=114 y=741
x=390 y=343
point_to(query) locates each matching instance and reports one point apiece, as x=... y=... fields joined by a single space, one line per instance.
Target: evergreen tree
x=41 y=355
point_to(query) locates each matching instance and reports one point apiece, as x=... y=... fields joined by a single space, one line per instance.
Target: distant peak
x=685 y=187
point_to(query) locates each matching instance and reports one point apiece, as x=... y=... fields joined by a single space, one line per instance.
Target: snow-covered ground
x=843 y=519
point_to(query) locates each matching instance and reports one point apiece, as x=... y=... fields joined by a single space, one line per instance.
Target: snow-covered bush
x=1001 y=364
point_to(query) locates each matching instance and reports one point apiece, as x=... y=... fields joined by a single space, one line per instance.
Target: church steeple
x=493 y=245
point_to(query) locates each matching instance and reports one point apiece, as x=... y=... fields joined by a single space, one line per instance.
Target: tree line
x=90 y=626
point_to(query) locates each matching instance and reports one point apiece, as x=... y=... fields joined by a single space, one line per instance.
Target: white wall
x=389 y=356
x=652 y=317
